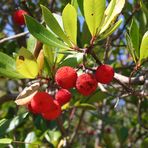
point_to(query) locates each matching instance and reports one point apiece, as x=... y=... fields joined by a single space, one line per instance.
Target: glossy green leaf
x=43 y=34
x=26 y=64
x=69 y=16
x=111 y=30
x=53 y=24
x=130 y=48
x=94 y=12
x=134 y=34
x=6 y=141
x=144 y=47
x=10 y=124
x=8 y=67
x=72 y=60
x=115 y=12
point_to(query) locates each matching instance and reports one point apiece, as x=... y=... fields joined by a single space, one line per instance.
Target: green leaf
x=134 y=34
x=94 y=12
x=111 y=30
x=49 y=55
x=80 y=4
x=72 y=60
x=26 y=64
x=122 y=134
x=8 y=67
x=53 y=24
x=43 y=34
x=10 y=124
x=31 y=43
x=130 y=47
x=6 y=141
x=144 y=48
x=115 y=12
x=86 y=106
x=75 y=4
x=144 y=8
x=69 y=16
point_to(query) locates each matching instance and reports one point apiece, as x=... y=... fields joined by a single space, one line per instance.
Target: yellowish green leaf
x=69 y=16
x=94 y=12
x=26 y=64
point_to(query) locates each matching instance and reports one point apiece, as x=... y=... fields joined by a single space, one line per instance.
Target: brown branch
x=7 y=97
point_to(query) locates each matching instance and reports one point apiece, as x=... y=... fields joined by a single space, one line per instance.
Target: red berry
x=66 y=77
x=86 y=84
x=18 y=17
x=104 y=74
x=54 y=113
x=63 y=96
x=42 y=102
x=31 y=109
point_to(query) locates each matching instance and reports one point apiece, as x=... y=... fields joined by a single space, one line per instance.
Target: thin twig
x=77 y=128
x=13 y=37
x=60 y=125
x=107 y=48
x=139 y=114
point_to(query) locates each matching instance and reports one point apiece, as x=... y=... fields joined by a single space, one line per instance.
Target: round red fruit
x=63 y=96
x=18 y=17
x=31 y=109
x=54 y=113
x=86 y=84
x=42 y=102
x=66 y=77
x=104 y=74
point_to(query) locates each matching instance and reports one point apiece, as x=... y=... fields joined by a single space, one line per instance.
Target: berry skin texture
x=104 y=74
x=18 y=17
x=31 y=109
x=42 y=102
x=66 y=77
x=63 y=96
x=54 y=113
x=86 y=84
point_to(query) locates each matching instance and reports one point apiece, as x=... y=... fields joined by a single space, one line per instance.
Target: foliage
x=82 y=34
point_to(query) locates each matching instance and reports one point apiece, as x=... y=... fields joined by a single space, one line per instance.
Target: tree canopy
x=82 y=35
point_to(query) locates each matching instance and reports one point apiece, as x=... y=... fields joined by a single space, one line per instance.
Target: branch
x=8 y=97
x=134 y=80
x=13 y=37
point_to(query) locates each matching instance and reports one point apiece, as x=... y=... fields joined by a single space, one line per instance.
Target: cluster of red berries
x=18 y=17
x=44 y=104
x=66 y=77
